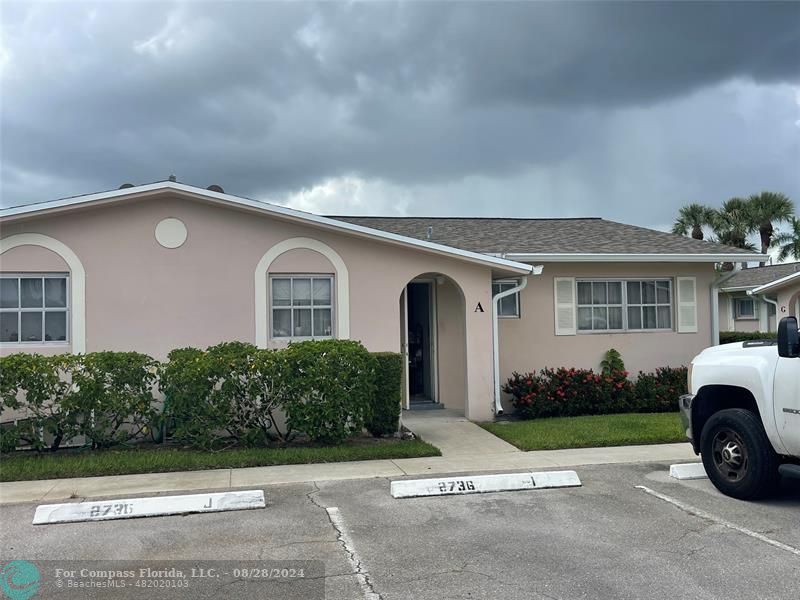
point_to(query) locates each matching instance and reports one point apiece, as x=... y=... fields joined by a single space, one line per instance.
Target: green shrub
x=573 y=392
x=612 y=362
x=384 y=418
x=659 y=391
x=38 y=389
x=569 y=392
x=329 y=388
x=227 y=394
x=112 y=396
x=728 y=337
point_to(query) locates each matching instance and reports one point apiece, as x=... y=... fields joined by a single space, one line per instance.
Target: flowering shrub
x=659 y=391
x=566 y=392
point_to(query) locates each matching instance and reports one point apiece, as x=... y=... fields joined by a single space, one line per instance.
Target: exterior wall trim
x=778 y=283
x=342 y=281
x=77 y=280
x=653 y=257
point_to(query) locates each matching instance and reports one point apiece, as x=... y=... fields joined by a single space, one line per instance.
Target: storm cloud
x=622 y=110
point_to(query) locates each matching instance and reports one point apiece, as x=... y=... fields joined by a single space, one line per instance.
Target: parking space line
x=714 y=519
x=352 y=556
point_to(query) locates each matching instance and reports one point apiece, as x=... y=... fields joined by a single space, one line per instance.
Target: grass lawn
x=86 y=463
x=589 y=432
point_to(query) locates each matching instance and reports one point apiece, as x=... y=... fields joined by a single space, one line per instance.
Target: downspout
x=498 y=406
x=715 y=306
x=763 y=298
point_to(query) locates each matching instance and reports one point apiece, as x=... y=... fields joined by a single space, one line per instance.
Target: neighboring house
x=740 y=311
x=165 y=265
x=786 y=291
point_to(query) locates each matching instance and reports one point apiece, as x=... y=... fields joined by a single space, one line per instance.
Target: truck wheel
x=738 y=456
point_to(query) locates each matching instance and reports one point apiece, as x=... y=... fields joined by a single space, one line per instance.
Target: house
x=740 y=311
x=165 y=265
x=786 y=292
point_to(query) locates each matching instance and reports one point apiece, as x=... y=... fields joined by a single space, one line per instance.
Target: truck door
x=786 y=393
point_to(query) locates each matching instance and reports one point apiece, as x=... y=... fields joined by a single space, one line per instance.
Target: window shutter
x=564 y=289
x=687 y=305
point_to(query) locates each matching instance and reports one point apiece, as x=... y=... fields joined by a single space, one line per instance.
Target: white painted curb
x=479 y=484
x=688 y=471
x=131 y=508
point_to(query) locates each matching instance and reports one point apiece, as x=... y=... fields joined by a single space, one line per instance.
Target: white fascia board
x=653 y=257
x=740 y=288
x=775 y=284
x=476 y=257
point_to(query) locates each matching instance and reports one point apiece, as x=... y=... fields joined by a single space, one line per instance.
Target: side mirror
x=788 y=338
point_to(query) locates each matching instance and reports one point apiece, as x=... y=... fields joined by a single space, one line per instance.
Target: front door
x=421 y=343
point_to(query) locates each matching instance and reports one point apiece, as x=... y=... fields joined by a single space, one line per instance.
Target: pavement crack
x=343 y=538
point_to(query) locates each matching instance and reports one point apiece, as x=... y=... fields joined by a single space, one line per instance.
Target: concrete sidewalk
x=223 y=479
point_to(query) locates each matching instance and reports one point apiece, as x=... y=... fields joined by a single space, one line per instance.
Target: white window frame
x=504 y=285
x=737 y=314
x=625 y=305
x=67 y=310
x=291 y=306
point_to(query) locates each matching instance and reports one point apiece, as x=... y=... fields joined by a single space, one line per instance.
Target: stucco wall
x=452 y=353
x=530 y=342
x=142 y=296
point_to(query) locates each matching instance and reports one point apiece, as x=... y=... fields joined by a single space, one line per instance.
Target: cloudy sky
x=626 y=111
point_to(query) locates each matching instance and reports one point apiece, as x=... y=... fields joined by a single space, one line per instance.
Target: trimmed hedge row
x=572 y=392
x=229 y=394
x=728 y=337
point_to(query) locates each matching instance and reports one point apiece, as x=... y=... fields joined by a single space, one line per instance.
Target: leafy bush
x=612 y=362
x=572 y=392
x=226 y=394
x=112 y=396
x=37 y=390
x=384 y=416
x=569 y=392
x=728 y=337
x=329 y=388
x=659 y=391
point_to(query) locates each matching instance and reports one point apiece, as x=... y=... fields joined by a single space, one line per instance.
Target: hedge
x=572 y=392
x=728 y=337
x=231 y=394
x=384 y=418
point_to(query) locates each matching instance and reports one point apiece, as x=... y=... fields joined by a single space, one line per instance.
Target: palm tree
x=788 y=242
x=732 y=224
x=767 y=209
x=692 y=217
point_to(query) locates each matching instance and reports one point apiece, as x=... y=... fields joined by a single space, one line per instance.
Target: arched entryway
x=433 y=343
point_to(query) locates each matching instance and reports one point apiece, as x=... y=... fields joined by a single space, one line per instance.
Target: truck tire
x=738 y=456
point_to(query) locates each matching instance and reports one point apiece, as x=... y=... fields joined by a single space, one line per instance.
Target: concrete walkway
x=453 y=434
x=466 y=448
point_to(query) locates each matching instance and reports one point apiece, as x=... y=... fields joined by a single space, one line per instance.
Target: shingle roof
x=760 y=275
x=543 y=236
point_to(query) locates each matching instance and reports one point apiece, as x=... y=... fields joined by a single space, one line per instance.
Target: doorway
x=421 y=344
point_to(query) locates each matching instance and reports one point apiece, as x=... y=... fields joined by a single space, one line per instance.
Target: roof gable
x=99 y=199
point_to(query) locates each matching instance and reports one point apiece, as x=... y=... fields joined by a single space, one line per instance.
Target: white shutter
x=687 y=305
x=564 y=291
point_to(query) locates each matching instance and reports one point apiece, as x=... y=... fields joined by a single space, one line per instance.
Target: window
x=745 y=308
x=508 y=306
x=302 y=306
x=33 y=308
x=624 y=305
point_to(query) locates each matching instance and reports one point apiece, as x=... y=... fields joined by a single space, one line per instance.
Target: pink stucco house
x=166 y=265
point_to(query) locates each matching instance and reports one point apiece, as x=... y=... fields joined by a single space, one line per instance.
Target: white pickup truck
x=742 y=414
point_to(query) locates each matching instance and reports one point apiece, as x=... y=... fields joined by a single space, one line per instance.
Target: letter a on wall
x=479 y=308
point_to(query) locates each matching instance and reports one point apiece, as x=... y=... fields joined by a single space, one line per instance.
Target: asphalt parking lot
x=608 y=539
